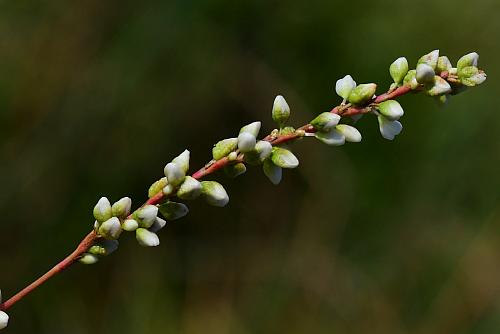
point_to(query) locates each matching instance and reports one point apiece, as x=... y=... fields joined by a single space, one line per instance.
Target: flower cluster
x=434 y=75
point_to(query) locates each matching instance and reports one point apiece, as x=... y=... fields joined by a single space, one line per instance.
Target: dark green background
x=376 y=237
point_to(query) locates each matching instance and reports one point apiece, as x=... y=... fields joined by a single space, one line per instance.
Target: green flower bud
x=157 y=187
x=104 y=247
x=471 y=76
x=232 y=156
x=273 y=172
x=173 y=210
x=158 y=225
x=263 y=148
x=110 y=229
x=214 y=193
x=425 y=74
x=391 y=109
x=235 y=170
x=443 y=65
x=440 y=87
x=284 y=158
x=398 y=69
x=252 y=128
x=146 y=215
x=122 y=207
x=86 y=258
x=246 y=142
x=410 y=79
x=389 y=129
x=174 y=173
x=430 y=59
x=281 y=110
x=344 y=86
x=182 y=160
x=190 y=189
x=146 y=238
x=350 y=133
x=332 y=137
x=362 y=94
x=470 y=59
x=102 y=210
x=224 y=147
x=325 y=121
x=130 y=225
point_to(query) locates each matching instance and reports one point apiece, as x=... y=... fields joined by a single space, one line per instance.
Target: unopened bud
x=214 y=193
x=252 y=128
x=146 y=215
x=440 y=87
x=130 y=225
x=156 y=187
x=281 y=110
x=350 y=133
x=263 y=148
x=425 y=74
x=189 y=189
x=362 y=94
x=430 y=59
x=146 y=238
x=110 y=229
x=86 y=258
x=391 y=109
x=235 y=170
x=410 y=79
x=102 y=210
x=246 y=142
x=398 y=69
x=182 y=160
x=224 y=147
x=174 y=173
x=344 y=86
x=325 y=121
x=283 y=158
x=158 y=225
x=470 y=59
x=173 y=210
x=443 y=65
x=122 y=207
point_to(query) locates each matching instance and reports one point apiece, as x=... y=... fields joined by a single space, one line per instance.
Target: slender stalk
x=210 y=168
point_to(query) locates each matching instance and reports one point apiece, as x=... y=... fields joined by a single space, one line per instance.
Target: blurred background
x=376 y=237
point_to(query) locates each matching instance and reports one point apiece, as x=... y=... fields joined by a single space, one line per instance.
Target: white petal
x=350 y=133
x=389 y=129
x=344 y=86
x=333 y=137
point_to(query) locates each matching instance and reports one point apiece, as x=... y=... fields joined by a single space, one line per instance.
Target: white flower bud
x=391 y=109
x=246 y=142
x=182 y=160
x=158 y=225
x=232 y=156
x=263 y=149
x=284 y=158
x=398 y=69
x=281 y=110
x=146 y=215
x=173 y=210
x=344 y=86
x=189 y=189
x=389 y=129
x=224 y=147
x=111 y=228
x=168 y=190
x=252 y=128
x=122 y=207
x=430 y=59
x=130 y=225
x=214 y=193
x=362 y=94
x=86 y=258
x=174 y=173
x=4 y=319
x=273 y=172
x=470 y=59
x=425 y=74
x=443 y=65
x=325 y=121
x=102 y=210
x=440 y=87
x=332 y=137
x=350 y=133
x=146 y=238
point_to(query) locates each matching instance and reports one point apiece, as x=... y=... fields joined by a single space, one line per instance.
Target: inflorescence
x=434 y=75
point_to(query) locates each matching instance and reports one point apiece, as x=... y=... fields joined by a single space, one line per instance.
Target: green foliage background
x=376 y=237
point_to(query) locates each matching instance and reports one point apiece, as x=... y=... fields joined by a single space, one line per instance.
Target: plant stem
x=209 y=168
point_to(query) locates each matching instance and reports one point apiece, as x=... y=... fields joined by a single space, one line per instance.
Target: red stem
x=209 y=168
